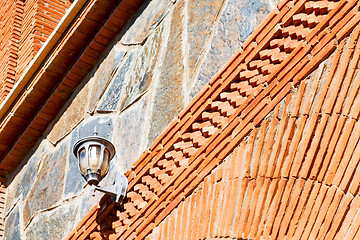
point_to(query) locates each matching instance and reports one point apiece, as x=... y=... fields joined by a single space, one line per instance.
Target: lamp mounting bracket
x=117 y=190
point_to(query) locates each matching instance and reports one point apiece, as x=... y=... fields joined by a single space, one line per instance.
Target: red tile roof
x=257 y=83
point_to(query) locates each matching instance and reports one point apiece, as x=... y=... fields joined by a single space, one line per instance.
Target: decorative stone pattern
x=131 y=132
x=140 y=84
x=71 y=117
x=25 y=178
x=140 y=75
x=102 y=76
x=202 y=16
x=112 y=97
x=13 y=222
x=148 y=18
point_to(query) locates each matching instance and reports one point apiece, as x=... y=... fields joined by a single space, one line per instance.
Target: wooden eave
x=180 y=158
x=76 y=46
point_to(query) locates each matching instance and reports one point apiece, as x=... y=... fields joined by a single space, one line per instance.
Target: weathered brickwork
x=281 y=181
x=39 y=19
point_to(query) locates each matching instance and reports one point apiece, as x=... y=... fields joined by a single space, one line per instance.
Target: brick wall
x=2 y=206
x=295 y=175
x=10 y=32
x=24 y=27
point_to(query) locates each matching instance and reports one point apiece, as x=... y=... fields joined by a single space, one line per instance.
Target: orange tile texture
x=295 y=176
x=273 y=137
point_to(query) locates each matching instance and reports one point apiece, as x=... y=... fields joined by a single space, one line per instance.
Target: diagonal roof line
x=168 y=171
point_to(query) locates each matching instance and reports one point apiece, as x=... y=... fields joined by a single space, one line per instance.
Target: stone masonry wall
x=155 y=66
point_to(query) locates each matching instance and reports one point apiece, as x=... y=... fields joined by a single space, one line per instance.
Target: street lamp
x=94 y=154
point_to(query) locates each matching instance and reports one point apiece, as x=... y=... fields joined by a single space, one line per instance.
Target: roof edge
x=39 y=58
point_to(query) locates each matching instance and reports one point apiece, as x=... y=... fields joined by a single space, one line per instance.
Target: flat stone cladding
x=166 y=54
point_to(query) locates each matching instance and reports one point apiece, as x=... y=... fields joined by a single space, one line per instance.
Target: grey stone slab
x=112 y=96
x=118 y=57
x=169 y=96
x=237 y=21
x=130 y=132
x=88 y=201
x=12 y=225
x=103 y=124
x=71 y=117
x=148 y=18
x=141 y=73
x=54 y=224
x=202 y=15
x=23 y=181
x=49 y=183
x=102 y=76
x=74 y=182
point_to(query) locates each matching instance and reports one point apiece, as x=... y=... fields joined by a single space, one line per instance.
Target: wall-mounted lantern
x=94 y=154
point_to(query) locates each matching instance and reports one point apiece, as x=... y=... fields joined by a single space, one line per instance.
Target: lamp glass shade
x=94 y=154
x=105 y=165
x=94 y=157
x=82 y=161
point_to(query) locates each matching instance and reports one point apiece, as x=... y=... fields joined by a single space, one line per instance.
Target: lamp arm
x=107 y=190
x=117 y=190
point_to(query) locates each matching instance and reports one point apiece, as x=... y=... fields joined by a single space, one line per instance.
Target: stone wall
x=154 y=67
